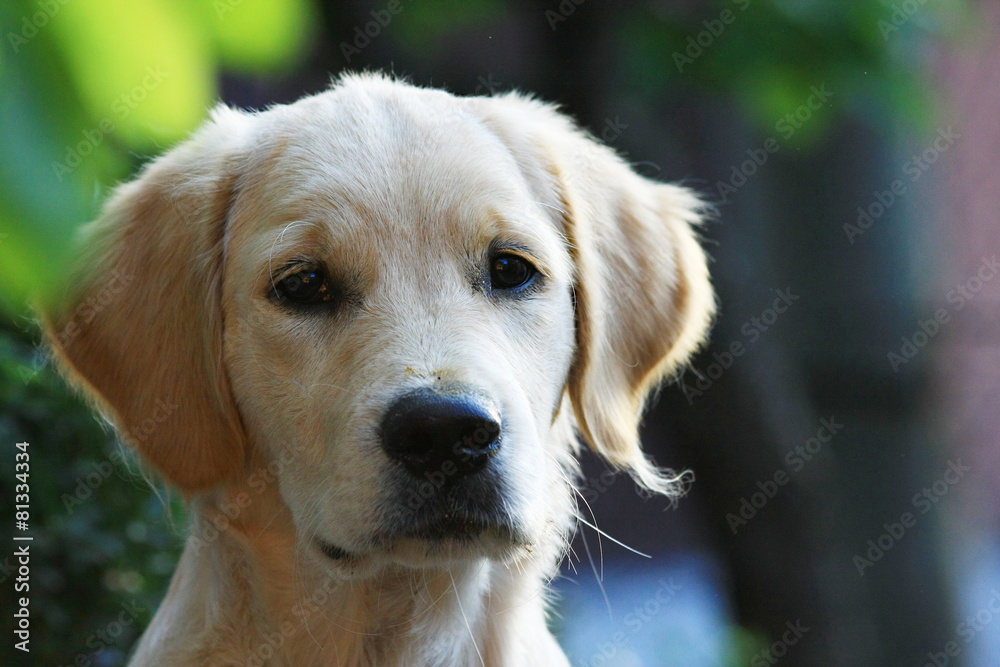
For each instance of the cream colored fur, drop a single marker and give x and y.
(400, 190)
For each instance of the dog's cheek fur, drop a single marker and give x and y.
(538, 349)
(304, 396)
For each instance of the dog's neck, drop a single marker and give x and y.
(245, 593)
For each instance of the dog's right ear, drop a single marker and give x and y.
(643, 298)
(140, 325)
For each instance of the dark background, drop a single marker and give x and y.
(79, 112)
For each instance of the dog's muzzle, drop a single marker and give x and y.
(443, 439)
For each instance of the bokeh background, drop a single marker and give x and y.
(850, 147)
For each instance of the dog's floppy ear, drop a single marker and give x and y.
(643, 297)
(140, 324)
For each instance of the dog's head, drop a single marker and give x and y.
(406, 299)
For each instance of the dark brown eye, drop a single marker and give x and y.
(304, 287)
(509, 272)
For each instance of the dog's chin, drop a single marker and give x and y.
(454, 540)
(446, 542)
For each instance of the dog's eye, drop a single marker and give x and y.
(303, 287)
(510, 272)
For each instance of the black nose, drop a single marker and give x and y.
(449, 431)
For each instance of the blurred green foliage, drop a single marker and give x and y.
(91, 88)
(103, 543)
(87, 85)
(767, 55)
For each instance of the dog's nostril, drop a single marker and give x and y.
(452, 432)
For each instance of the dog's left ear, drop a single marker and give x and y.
(643, 298)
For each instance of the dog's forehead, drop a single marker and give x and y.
(407, 152)
(388, 163)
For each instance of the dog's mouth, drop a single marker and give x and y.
(332, 551)
(468, 519)
(456, 533)
(456, 527)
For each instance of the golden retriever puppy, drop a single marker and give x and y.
(360, 334)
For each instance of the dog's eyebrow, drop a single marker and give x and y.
(502, 243)
(288, 244)
(292, 237)
(509, 244)
(521, 234)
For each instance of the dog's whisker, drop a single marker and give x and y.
(461, 608)
(561, 210)
(303, 544)
(600, 580)
(618, 542)
(579, 495)
(325, 384)
(270, 253)
(305, 392)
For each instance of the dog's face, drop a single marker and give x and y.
(407, 299)
(401, 326)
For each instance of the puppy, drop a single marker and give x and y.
(377, 318)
